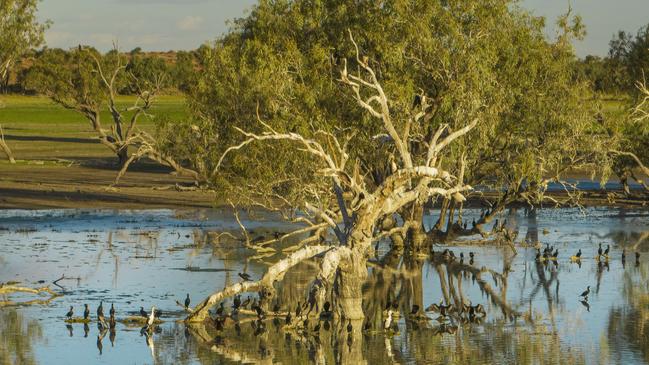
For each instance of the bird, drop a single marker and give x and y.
(245, 303)
(237, 301)
(555, 254)
(86, 312)
(327, 306)
(100, 309)
(187, 301)
(349, 327)
(220, 309)
(143, 312)
(288, 318)
(70, 313)
(576, 257)
(608, 248)
(599, 252)
(151, 318)
(112, 310)
(244, 276)
(388, 321)
(415, 310)
(585, 293)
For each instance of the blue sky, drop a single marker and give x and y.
(163, 25)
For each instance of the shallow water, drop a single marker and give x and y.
(141, 258)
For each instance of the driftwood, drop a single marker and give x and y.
(10, 289)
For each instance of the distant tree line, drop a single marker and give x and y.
(178, 68)
(625, 64)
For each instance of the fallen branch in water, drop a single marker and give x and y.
(9, 289)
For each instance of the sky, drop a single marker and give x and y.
(162, 25)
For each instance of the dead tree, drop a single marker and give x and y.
(359, 206)
(5, 148)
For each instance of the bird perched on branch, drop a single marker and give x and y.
(244, 276)
(143, 312)
(70, 313)
(100, 309)
(112, 310)
(86, 312)
(187, 301)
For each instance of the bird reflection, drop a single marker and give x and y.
(584, 302)
(86, 329)
(100, 337)
(69, 327)
(111, 337)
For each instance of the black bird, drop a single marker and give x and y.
(586, 292)
(349, 327)
(415, 309)
(244, 276)
(112, 322)
(576, 257)
(417, 102)
(70, 313)
(260, 311)
(608, 248)
(220, 309)
(112, 310)
(599, 250)
(86, 312)
(555, 254)
(327, 306)
(237, 301)
(100, 309)
(143, 312)
(471, 255)
(187, 301)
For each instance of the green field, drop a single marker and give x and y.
(37, 128)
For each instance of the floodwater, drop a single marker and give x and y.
(135, 259)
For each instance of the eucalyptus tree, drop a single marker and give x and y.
(89, 82)
(465, 60)
(20, 31)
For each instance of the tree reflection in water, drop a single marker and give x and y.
(512, 337)
(17, 337)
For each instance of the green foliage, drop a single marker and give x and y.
(20, 31)
(474, 59)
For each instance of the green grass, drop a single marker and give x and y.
(37, 128)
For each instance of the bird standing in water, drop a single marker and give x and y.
(585, 293)
(86, 312)
(112, 310)
(70, 313)
(100, 309)
(576, 257)
(599, 252)
(187, 301)
(143, 312)
(151, 318)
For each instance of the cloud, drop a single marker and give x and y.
(189, 23)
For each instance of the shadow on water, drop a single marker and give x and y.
(500, 307)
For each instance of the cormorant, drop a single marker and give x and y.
(112, 310)
(100, 309)
(187, 301)
(70, 313)
(244, 276)
(86, 312)
(585, 293)
(143, 312)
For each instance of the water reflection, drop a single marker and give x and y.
(463, 303)
(19, 338)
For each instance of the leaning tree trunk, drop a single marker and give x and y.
(5, 148)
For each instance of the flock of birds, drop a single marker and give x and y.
(551, 254)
